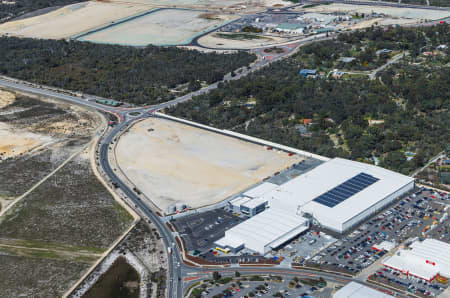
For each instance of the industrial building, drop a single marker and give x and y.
(337, 195)
(248, 206)
(357, 290)
(263, 232)
(251, 202)
(340, 193)
(425, 259)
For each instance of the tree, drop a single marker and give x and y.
(194, 85)
(216, 275)
(237, 274)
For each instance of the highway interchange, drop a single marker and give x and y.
(177, 270)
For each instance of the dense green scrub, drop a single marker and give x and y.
(134, 75)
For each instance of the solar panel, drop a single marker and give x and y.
(345, 190)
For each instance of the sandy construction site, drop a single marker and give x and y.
(179, 27)
(71, 20)
(170, 163)
(396, 12)
(217, 41)
(15, 142)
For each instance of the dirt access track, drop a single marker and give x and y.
(171, 163)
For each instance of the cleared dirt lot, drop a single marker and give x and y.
(215, 40)
(407, 13)
(189, 3)
(71, 20)
(171, 163)
(36, 136)
(179, 27)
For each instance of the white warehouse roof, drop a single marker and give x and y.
(260, 190)
(253, 203)
(338, 193)
(357, 290)
(239, 201)
(424, 259)
(266, 230)
(302, 190)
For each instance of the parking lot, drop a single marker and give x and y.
(200, 230)
(410, 217)
(303, 247)
(295, 170)
(411, 284)
(285, 286)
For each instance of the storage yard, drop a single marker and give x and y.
(179, 27)
(160, 157)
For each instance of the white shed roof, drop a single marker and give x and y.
(386, 245)
(302, 190)
(357, 290)
(260, 190)
(239, 201)
(254, 202)
(264, 229)
(424, 259)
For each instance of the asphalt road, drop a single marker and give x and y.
(174, 287)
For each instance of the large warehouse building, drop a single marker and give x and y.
(340, 193)
(264, 232)
(337, 195)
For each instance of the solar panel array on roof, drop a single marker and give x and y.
(345, 190)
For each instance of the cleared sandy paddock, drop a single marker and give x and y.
(71, 20)
(213, 40)
(170, 162)
(407, 13)
(162, 27)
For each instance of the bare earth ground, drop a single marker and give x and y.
(407, 13)
(179, 26)
(35, 137)
(71, 20)
(382, 22)
(64, 224)
(6, 98)
(179, 163)
(74, 19)
(207, 4)
(213, 40)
